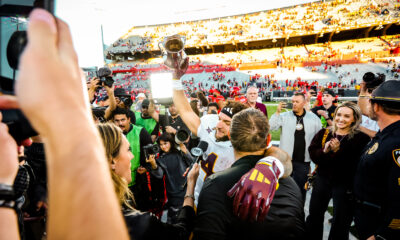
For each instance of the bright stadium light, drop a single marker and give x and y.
(161, 87)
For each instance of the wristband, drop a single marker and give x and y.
(177, 84)
(269, 160)
(6, 192)
(11, 204)
(190, 196)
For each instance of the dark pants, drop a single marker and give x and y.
(343, 209)
(366, 220)
(299, 174)
(172, 215)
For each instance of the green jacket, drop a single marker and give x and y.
(134, 141)
(147, 123)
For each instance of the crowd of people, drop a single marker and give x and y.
(99, 167)
(303, 19)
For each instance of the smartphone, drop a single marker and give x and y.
(289, 105)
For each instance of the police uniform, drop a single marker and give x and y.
(377, 181)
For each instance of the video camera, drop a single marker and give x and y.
(103, 74)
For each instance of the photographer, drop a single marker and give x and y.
(144, 119)
(124, 101)
(173, 164)
(143, 225)
(103, 112)
(138, 139)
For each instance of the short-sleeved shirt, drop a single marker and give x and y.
(331, 113)
(369, 124)
(209, 122)
(218, 157)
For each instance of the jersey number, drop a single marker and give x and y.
(208, 164)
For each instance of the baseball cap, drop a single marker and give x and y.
(120, 92)
(330, 92)
(145, 103)
(141, 95)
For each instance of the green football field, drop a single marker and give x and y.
(271, 110)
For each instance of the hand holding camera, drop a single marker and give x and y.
(152, 161)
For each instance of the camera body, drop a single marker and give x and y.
(103, 74)
(126, 100)
(373, 80)
(151, 149)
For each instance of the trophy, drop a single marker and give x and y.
(172, 51)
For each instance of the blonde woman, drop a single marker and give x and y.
(143, 225)
(336, 150)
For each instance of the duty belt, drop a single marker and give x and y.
(368, 204)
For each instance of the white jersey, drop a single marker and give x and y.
(218, 157)
(209, 122)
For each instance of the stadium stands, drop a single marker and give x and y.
(320, 17)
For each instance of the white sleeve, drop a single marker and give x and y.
(201, 132)
(276, 121)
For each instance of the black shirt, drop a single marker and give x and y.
(377, 181)
(299, 140)
(144, 225)
(176, 123)
(331, 111)
(215, 218)
(132, 116)
(174, 165)
(340, 166)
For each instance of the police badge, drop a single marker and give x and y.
(372, 149)
(396, 156)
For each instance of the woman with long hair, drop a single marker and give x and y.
(173, 163)
(143, 225)
(336, 151)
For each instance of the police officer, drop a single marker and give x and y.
(377, 181)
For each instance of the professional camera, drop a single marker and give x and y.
(123, 96)
(103, 74)
(372, 80)
(181, 136)
(151, 149)
(126, 100)
(98, 114)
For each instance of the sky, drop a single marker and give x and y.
(86, 17)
